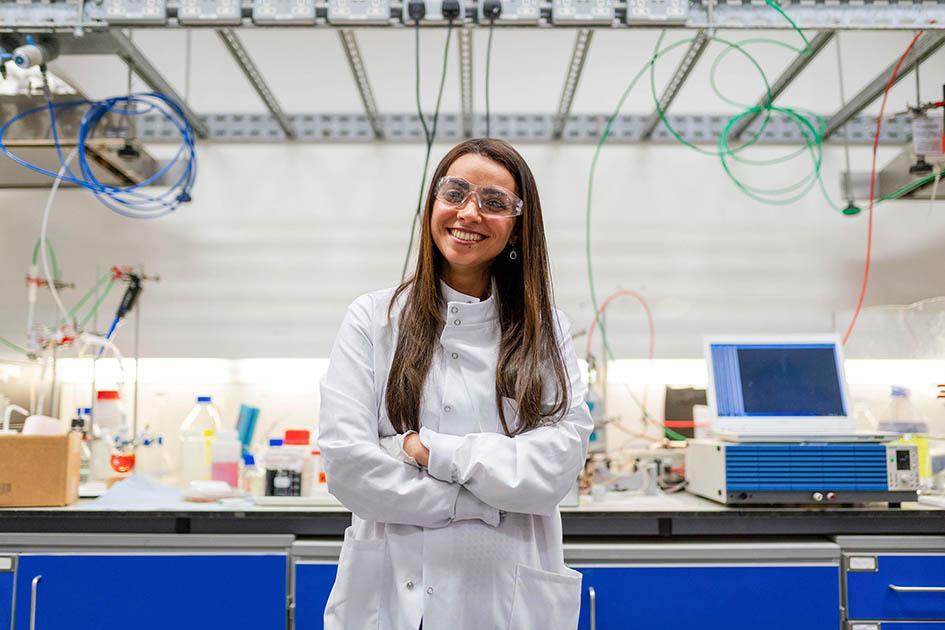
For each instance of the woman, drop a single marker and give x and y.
(453, 420)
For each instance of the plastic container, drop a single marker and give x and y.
(151, 456)
(283, 470)
(319, 482)
(253, 480)
(202, 417)
(225, 456)
(901, 415)
(299, 441)
(108, 412)
(194, 457)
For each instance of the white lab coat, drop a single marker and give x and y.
(474, 542)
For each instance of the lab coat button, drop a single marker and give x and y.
(455, 355)
(457, 322)
(447, 409)
(430, 591)
(454, 310)
(409, 585)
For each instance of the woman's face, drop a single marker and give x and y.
(468, 239)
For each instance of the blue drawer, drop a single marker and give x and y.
(709, 597)
(313, 582)
(873, 594)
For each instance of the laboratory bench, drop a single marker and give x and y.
(674, 562)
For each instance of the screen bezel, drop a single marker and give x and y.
(786, 425)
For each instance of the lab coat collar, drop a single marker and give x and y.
(466, 309)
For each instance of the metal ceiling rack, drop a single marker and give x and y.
(101, 25)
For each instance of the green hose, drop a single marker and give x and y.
(813, 145)
(85, 298)
(13, 346)
(52, 256)
(97, 305)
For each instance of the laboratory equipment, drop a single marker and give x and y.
(151, 455)
(217, 12)
(319, 482)
(34, 53)
(778, 385)
(202, 416)
(194, 462)
(359, 11)
(43, 425)
(136, 11)
(253, 480)
(283, 470)
(588, 12)
(902, 416)
(802, 472)
(108, 411)
(225, 455)
(284, 12)
(246, 425)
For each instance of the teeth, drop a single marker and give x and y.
(466, 236)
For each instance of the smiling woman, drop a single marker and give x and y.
(453, 419)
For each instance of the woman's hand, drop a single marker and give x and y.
(415, 448)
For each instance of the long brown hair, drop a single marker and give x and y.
(523, 297)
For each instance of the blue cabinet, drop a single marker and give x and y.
(912, 625)
(730, 597)
(313, 582)
(7, 565)
(152, 592)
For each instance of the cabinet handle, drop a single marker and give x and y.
(917, 589)
(34, 592)
(592, 597)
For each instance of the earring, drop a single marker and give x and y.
(513, 255)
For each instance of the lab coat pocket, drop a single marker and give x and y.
(356, 596)
(544, 599)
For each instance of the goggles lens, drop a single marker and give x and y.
(492, 200)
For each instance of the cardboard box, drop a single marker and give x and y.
(39, 470)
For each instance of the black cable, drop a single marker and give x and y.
(423, 120)
(430, 138)
(488, 65)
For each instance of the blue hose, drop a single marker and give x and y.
(129, 201)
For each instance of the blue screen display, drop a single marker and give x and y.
(777, 380)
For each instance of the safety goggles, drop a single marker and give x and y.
(491, 200)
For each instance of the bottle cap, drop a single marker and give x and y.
(297, 437)
(275, 442)
(204, 399)
(899, 391)
(315, 451)
(249, 460)
(108, 394)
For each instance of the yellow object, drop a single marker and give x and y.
(922, 442)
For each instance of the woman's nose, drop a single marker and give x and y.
(470, 210)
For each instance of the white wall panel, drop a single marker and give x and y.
(279, 239)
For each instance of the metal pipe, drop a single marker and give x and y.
(252, 73)
(817, 44)
(582, 42)
(927, 45)
(131, 55)
(353, 54)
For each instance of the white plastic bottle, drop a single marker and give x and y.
(253, 478)
(203, 416)
(225, 456)
(196, 438)
(108, 412)
(901, 415)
